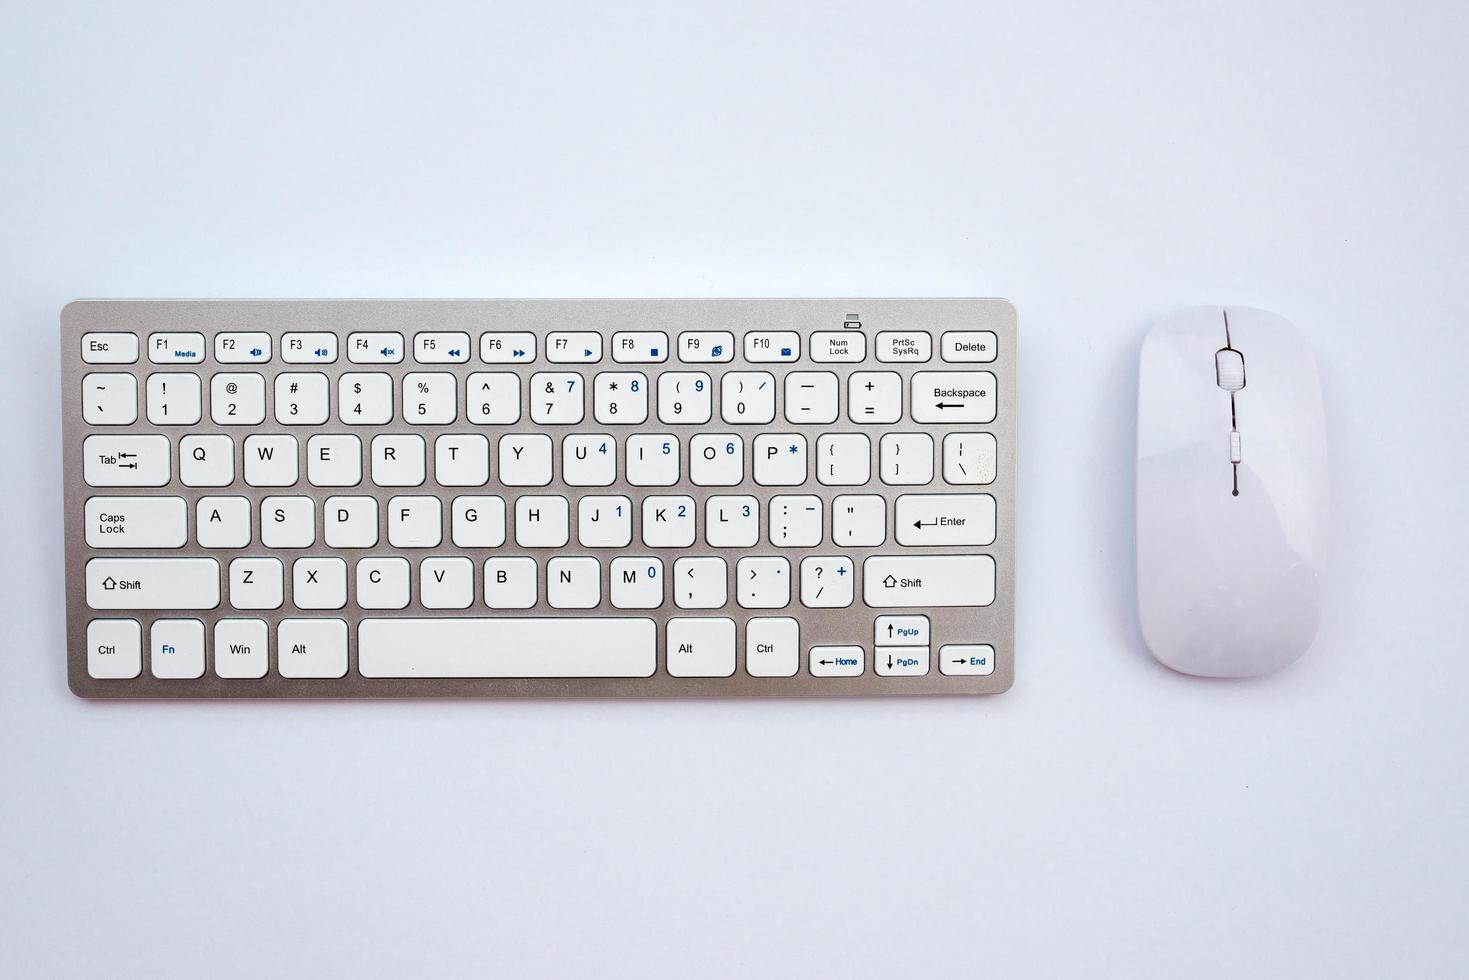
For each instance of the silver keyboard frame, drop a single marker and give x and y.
(993, 624)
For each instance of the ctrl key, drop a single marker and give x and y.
(114, 649)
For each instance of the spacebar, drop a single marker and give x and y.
(507, 647)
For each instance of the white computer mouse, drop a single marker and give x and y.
(1231, 492)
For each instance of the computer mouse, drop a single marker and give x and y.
(1231, 492)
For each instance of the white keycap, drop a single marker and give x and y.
(302, 398)
(415, 522)
(772, 646)
(900, 661)
(175, 399)
(701, 647)
(176, 348)
(367, 347)
(492, 398)
(510, 583)
(542, 521)
(398, 460)
(843, 459)
(110, 348)
(716, 460)
(969, 458)
(152, 583)
(446, 583)
(811, 397)
(685, 397)
(288, 522)
(772, 346)
(557, 398)
(763, 583)
(561, 646)
(114, 649)
(125, 461)
(652, 460)
(365, 398)
(512, 347)
(573, 583)
(668, 522)
(875, 396)
(604, 522)
(700, 583)
(898, 346)
(826, 582)
(905, 458)
(109, 399)
(319, 583)
(922, 519)
(316, 347)
(478, 522)
(640, 347)
(242, 347)
(237, 398)
(953, 396)
(838, 346)
(903, 581)
(311, 648)
(637, 583)
(574, 347)
(795, 520)
(966, 659)
(968, 345)
(222, 522)
(257, 583)
(732, 521)
(589, 460)
(525, 460)
(382, 583)
(136, 522)
(429, 398)
(462, 460)
(270, 461)
(334, 461)
(176, 649)
(620, 398)
(780, 459)
(441, 347)
(206, 461)
(900, 631)
(241, 648)
(858, 520)
(836, 661)
(705, 346)
(349, 522)
(747, 397)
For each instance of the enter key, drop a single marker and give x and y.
(945, 518)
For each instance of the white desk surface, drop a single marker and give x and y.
(1098, 167)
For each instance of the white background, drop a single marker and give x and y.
(1098, 166)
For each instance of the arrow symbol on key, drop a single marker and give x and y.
(932, 523)
(948, 405)
(824, 662)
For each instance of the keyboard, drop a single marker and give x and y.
(539, 498)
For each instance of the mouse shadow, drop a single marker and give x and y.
(1120, 537)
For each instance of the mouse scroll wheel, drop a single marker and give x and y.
(1229, 369)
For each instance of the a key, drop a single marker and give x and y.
(174, 399)
(446, 582)
(637, 583)
(700, 583)
(382, 583)
(589, 460)
(222, 522)
(542, 521)
(944, 519)
(780, 459)
(176, 649)
(732, 521)
(652, 460)
(136, 522)
(826, 582)
(271, 461)
(492, 398)
(875, 396)
(257, 583)
(525, 460)
(905, 458)
(311, 648)
(241, 648)
(301, 398)
(399, 460)
(315, 347)
(461, 460)
(811, 397)
(763, 583)
(916, 581)
(508, 347)
(415, 522)
(109, 399)
(668, 522)
(604, 522)
(349, 522)
(716, 460)
(573, 583)
(429, 398)
(334, 461)
(858, 520)
(478, 522)
(620, 398)
(795, 521)
(953, 396)
(843, 459)
(772, 646)
(237, 398)
(969, 458)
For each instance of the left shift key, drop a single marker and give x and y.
(153, 583)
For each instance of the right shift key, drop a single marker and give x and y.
(953, 396)
(900, 581)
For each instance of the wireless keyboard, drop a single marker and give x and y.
(515, 498)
